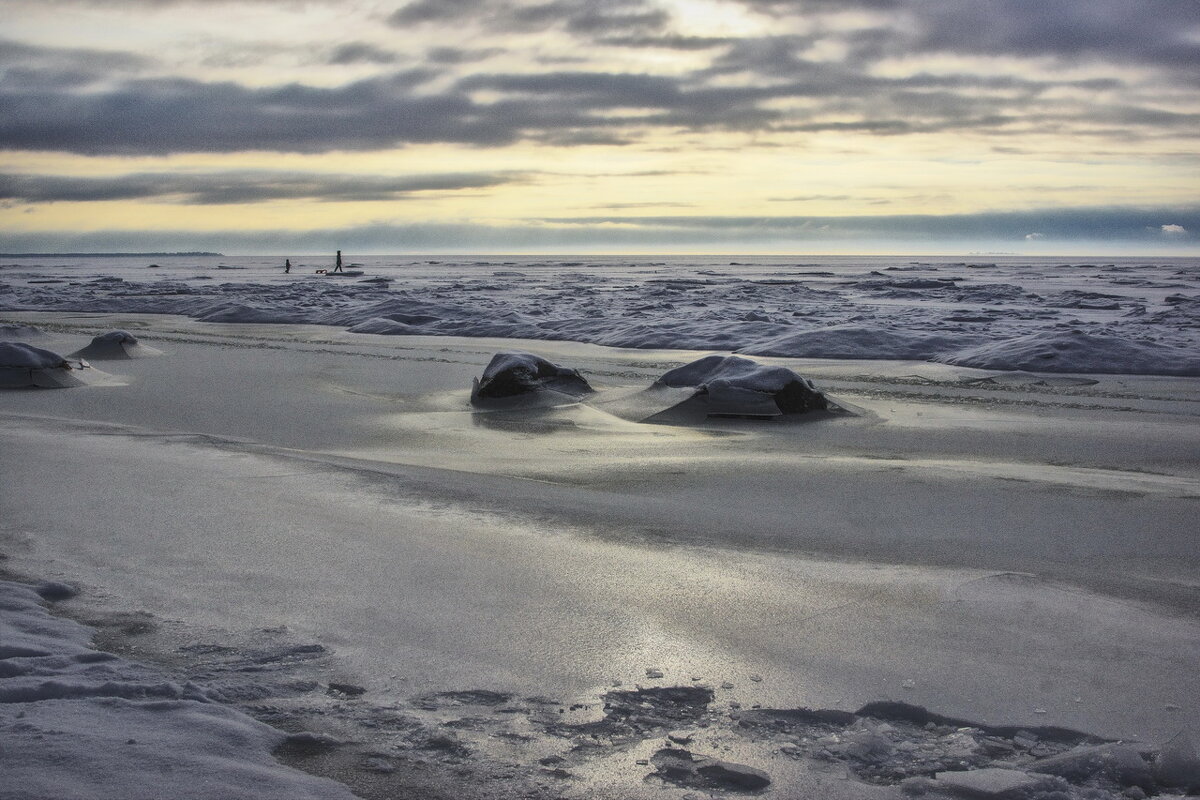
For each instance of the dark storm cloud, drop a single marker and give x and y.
(176, 115)
(757, 84)
(62, 67)
(1149, 31)
(163, 115)
(251, 186)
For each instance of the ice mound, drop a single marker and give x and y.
(385, 327)
(115, 346)
(23, 365)
(859, 341)
(1076, 351)
(511, 374)
(735, 386)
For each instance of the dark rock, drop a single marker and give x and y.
(660, 703)
(686, 769)
(347, 689)
(514, 373)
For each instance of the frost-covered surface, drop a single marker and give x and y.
(317, 528)
(79, 723)
(1139, 316)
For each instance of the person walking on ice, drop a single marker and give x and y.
(338, 266)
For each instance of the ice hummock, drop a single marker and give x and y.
(1074, 351)
(736, 386)
(115, 346)
(515, 373)
(851, 308)
(23, 365)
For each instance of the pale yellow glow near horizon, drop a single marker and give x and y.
(783, 167)
(816, 180)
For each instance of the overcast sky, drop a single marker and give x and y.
(601, 125)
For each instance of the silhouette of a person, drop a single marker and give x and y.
(287, 266)
(338, 267)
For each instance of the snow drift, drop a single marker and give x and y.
(1077, 351)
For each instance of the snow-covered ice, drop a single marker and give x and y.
(79, 723)
(293, 524)
(1126, 315)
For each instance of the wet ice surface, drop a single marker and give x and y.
(287, 515)
(1125, 316)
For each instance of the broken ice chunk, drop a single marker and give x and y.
(990, 782)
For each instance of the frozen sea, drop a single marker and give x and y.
(284, 556)
(1128, 315)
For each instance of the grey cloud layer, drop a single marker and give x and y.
(238, 187)
(95, 103)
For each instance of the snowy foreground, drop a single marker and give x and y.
(288, 560)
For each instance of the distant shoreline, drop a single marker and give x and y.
(104, 255)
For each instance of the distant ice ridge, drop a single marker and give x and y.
(78, 723)
(1131, 317)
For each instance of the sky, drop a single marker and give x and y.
(580, 126)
